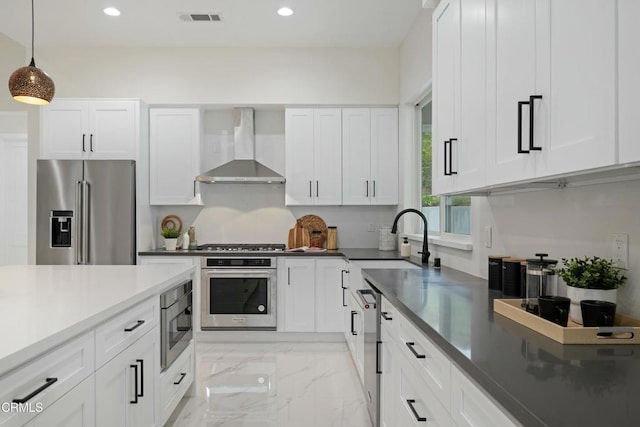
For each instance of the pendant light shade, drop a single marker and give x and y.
(30, 84)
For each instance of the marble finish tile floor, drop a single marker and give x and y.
(273, 385)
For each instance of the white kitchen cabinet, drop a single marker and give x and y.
(174, 150)
(126, 386)
(557, 67)
(90, 129)
(369, 156)
(357, 335)
(459, 96)
(175, 381)
(330, 294)
(628, 83)
(74, 409)
(298, 286)
(388, 380)
(313, 156)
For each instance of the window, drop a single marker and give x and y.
(451, 213)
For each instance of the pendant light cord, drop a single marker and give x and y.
(32, 31)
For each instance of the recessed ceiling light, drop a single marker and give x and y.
(112, 11)
(285, 11)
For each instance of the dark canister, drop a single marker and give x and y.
(495, 271)
(511, 285)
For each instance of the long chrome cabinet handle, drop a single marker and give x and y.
(86, 194)
(78, 225)
(531, 115)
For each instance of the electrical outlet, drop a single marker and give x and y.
(372, 227)
(620, 250)
(487, 236)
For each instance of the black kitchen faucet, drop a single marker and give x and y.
(425, 244)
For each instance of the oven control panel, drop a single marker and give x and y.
(238, 262)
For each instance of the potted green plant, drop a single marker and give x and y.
(589, 278)
(170, 238)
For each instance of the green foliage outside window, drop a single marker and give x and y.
(427, 199)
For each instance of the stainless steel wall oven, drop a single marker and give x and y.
(238, 293)
(176, 322)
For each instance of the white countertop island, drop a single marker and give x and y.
(42, 306)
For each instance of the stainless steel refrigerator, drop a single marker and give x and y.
(86, 212)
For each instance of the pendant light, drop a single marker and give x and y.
(30, 84)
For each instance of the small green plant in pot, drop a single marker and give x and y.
(170, 238)
(589, 278)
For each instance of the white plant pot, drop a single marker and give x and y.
(170, 244)
(579, 294)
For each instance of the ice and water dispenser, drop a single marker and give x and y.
(60, 226)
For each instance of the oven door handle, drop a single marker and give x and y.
(179, 306)
(242, 273)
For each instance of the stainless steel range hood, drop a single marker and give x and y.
(244, 168)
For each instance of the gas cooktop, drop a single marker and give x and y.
(242, 247)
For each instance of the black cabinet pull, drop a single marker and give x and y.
(413, 350)
(135, 393)
(91, 143)
(342, 273)
(366, 183)
(520, 149)
(445, 158)
(410, 402)
(141, 362)
(451, 172)
(310, 189)
(288, 276)
(378, 370)
(48, 383)
(138, 324)
(317, 190)
(353, 314)
(374, 188)
(182, 376)
(385, 316)
(531, 99)
(83, 146)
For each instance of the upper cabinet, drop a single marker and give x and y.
(370, 156)
(552, 93)
(459, 96)
(174, 153)
(90, 129)
(628, 83)
(313, 154)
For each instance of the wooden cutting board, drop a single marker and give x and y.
(298, 236)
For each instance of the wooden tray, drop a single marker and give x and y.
(625, 331)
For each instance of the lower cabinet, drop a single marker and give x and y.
(175, 381)
(357, 336)
(74, 409)
(388, 380)
(126, 385)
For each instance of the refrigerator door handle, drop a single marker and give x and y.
(78, 226)
(85, 222)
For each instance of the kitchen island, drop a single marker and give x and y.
(537, 380)
(69, 336)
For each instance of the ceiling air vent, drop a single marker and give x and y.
(200, 17)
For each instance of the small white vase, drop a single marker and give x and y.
(170, 244)
(579, 294)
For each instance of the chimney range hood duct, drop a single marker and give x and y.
(244, 169)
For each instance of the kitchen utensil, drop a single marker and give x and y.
(171, 222)
(541, 280)
(332, 238)
(298, 236)
(554, 308)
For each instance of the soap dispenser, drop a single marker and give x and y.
(405, 248)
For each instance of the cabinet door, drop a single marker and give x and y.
(388, 380)
(174, 152)
(446, 43)
(357, 322)
(125, 387)
(74, 409)
(299, 134)
(113, 129)
(577, 80)
(299, 309)
(384, 156)
(327, 155)
(64, 133)
(329, 300)
(628, 82)
(511, 54)
(356, 156)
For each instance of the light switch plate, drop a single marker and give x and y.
(620, 250)
(487, 236)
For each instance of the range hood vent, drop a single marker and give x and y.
(244, 169)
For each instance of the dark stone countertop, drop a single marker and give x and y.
(539, 381)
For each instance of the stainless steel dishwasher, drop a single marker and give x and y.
(369, 299)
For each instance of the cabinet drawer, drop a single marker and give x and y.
(389, 318)
(417, 405)
(430, 363)
(45, 379)
(471, 407)
(175, 381)
(124, 329)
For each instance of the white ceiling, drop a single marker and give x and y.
(358, 23)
